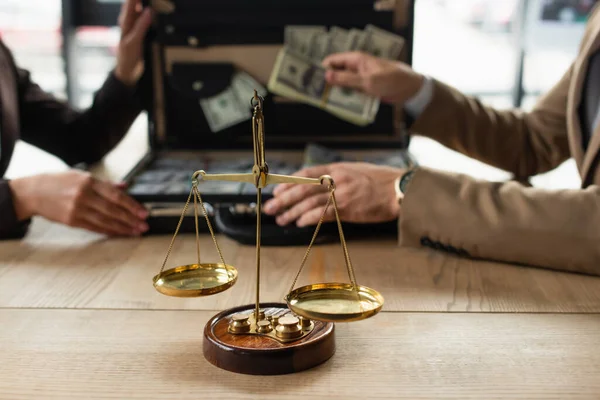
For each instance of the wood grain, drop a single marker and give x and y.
(124, 354)
(59, 267)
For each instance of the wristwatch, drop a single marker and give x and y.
(401, 184)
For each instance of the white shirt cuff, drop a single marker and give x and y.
(416, 104)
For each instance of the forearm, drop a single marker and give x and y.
(522, 143)
(79, 136)
(115, 108)
(505, 222)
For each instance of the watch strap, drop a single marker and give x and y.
(405, 180)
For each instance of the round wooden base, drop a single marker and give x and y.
(262, 355)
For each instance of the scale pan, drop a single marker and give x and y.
(334, 302)
(196, 280)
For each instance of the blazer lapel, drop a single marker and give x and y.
(583, 160)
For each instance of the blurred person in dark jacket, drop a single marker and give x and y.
(28, 113)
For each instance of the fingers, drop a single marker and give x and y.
(117, 209)
(307, 205)
(312, 217)
(348, 60)
(94, 221)
(117, 197)
(116, 216)
(344, 78)
(288, 198)
(139, 29)
(128, 15)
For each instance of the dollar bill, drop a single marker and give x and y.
(382, 43)
(340, 39)
(243, 85)
(357, 39)
(300, 37)
(300, 78)
(337, 40)
(224, 110)
(320, 46)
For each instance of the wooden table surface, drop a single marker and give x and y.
(137, 354)
(80, 319)
(60, 267)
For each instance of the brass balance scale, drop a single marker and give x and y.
(268, 338)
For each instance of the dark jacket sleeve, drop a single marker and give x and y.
(10, 227)
(76, 136)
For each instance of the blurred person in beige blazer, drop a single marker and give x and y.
(503, 221)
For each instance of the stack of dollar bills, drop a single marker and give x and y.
(298, 72)
(231, 106)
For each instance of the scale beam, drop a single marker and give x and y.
(203, 176)
(271, 178)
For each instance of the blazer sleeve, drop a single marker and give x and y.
(72, 135)
(507, 222)
(523, 143)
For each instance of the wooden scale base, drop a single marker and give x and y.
(260, 354)
(267, 338)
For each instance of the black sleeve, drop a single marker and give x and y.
(10, 227)
(72, 135)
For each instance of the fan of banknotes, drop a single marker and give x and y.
(299, 75)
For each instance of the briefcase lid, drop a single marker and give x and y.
(195, 50)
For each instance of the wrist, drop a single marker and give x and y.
(126, 79)
(420, 98)
(416, 84)
(24, 197)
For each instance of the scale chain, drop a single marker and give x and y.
(196, 223)
(312, 240)
(349, 267)
(196, 194)
(343, 240)
(212, 233)
(176, 231)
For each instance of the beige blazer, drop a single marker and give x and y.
(509, 221)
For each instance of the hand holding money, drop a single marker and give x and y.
(390, 81)
(299, 74)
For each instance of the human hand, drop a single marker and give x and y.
(390, 81)
(134, 24)
(77, 199)
(364, 193)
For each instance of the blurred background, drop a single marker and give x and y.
(506, 52)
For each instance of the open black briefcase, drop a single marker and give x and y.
(195, 53)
